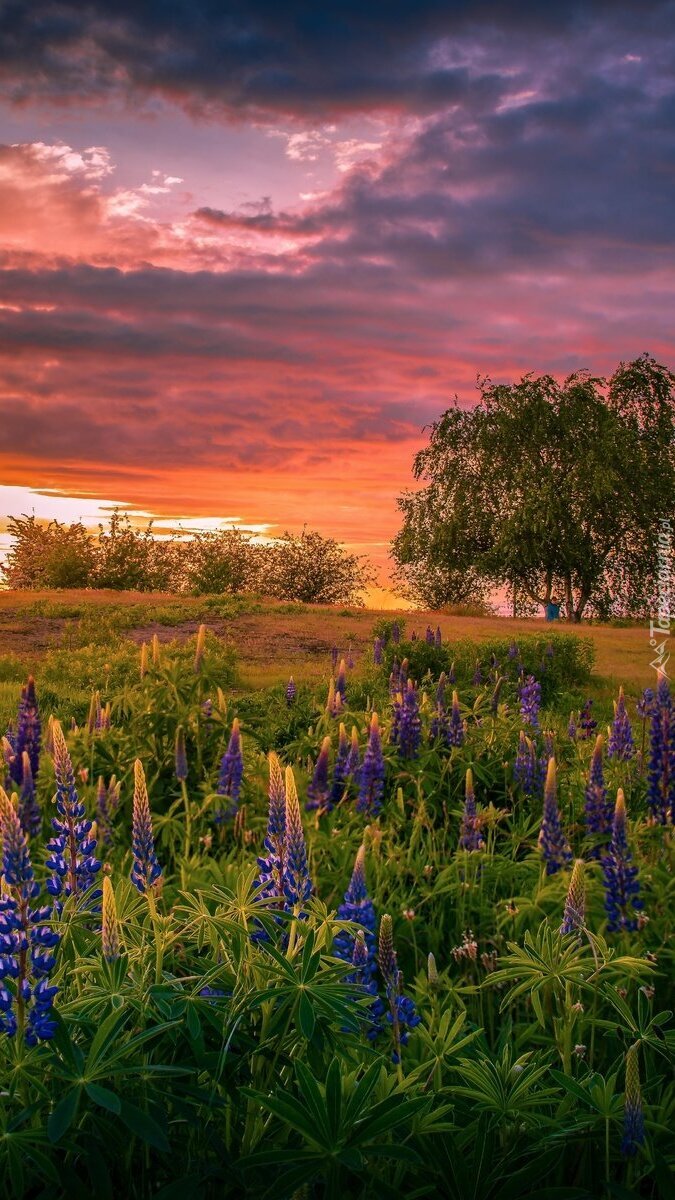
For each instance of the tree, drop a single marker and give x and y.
(223, 561)
(52, 555)
(315, 569)
(552, 490)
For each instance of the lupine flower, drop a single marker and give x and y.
(341, 681)
(231, 773)
(341, 768)
(661, 779)
(200, 647)
(110, 932)
(455, 723)
(587, 723)
(645, 705)
(409, 732)
(575, 901)
(429, 636)
(358, 907)
(318, 789)
(432, 971)
(378, 647)
(297, 883)
(552, 841)
(633, 1120)
(496, 691)
(291, 692)
(402, 1015)
(145, 870)
(513, 651)
(28, 731)
(396, 633)
(469, 834)
(27, 944)
(72, 858)
(598, 809)
(30, 815)
(438, 636)
(452, 674)
(330, 699)
(525, 766)
(272, 865)
(477, 678)
(155, 650)
(620, 877)
(413, 636)
(530, 701)
(371, 774)
(180, 756)
(395, 678)
(439, 721)
(354, 760)
(143, 665)
(572, 728)
(621, 738)
(107, 803)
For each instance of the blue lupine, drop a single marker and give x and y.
(477, 678)
(354, 759)
(455, 723)
(271, 864)
(378, 648)
(439, 722)
(396, 633)
(621, 744)
(395, 684)
(429, 636)
(587, 722)
(645, 705)
(525, 766)
(620, 877)
(341, 769)
(30, 815)
(513, 651)
(452, 674)
(633, 1120)
(469, 834)
(297, 883)
(319, 787)
(575, 901)
(401, 1015)
(598, 809)
(552, 841)
(661, 778)
(72, 858)
(371, 774)
(341, 680)
(145, 870)
(358, 907)
(530, 701)
(291, 692)
(107, 804)
(230, 775)
(438, 636)
(409, 725)
(572, 728)
(28, 732)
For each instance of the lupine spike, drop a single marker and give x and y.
(530, 701)
(354, 760)
(633, 1121)
(146, 870)
(372, 772)
(291, 692)
(358, 907)
(432, 971)
(386, 955)
(200, 646)
(622, 887)
(621, 744)
(470, 837)
(297, 883)
(231, 774)
(598, 809)
(143, 668)
(110, 933)
(318, 789)
(552, 840)
(91, 716)
(155, 650)
(455, 724)
(72, 858)
(575, 901)
(330, 700)
(661, 784)
(341, 681)
(29, 809)
(378, 647)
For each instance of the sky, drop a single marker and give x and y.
(249, 250)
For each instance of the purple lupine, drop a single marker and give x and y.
(28, 732)
(30, 814)
(429, 636)
(341, 680)
(27, 944)
(341, 769)
(297, 883)
(552, 841)
(572, 728)
(145, 868)
(439, 721)
(477, 678)
(413, 636)
(230, 776)
(271, 864)
(358, 907)
(525, 766)
(645, 705)
(395, 678)
(587, 722)
(469, 833)
(598, 809)
(513, 652)
(291, 692)
(452, 674)
(661, 778)
(72, 852)
(402, 1015)
(354, 760)
(633, 1120)
(620, 877)
(496, 692)
(438, 636)
(455, 723)
(530, 701)
(371, 774)
(410, 725)
(621, 744)
(575, 901)
(107, 803)
(318, 788)
(396, 633)
(378, 647)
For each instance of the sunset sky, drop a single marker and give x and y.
(248, 250)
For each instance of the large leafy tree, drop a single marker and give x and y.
(554, 490)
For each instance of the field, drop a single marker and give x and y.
(401, 929)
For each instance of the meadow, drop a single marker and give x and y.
(399, 925)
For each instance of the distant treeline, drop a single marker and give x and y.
(306, 567)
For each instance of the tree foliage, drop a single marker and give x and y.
(552, 490)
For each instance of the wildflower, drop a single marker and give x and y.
(30, 815)
(271, 865)
(72, 858)
(477, 675)
(409, 730)
(429, 636)
(358, 907)
(291, 692)
(145, 870)
(231, 773)
(525, 766)
(413, 636)
(354, 760)
(28, 731)
(452, 674)
(645, 705)
(598, 810)
(530, 701)
(580, 1050)
(432, 971)
(180, 756)
(622, 887)
(297, 883)
(469, 836)
(552, 840)
(513, 651)
(378, 648)
(143, 665)
(371, 774)
(341, 769)
(318, 788)
(572, 728)
(455, 733)
(396, 633)
(438, 727)
(200, 647)
(110, 933)
(661, 779)
(107, 803)
(155, 650)
(395, 678)
(438, 637)
(587, 723)
(575, 901)
(496, 691)
(633, 1120)
(467, 949)
(489, 961)
(621, 738)
(341, 681)
(402, 1015)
